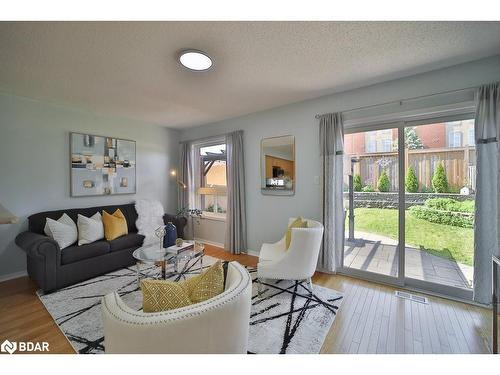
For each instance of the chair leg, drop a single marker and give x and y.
(259, 287)
(310, 284)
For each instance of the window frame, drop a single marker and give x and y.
(201, 175)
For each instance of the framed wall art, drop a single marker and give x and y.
(101, 165)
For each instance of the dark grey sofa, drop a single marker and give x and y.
(53, 268)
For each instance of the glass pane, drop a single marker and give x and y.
(440, 170)
(215, 177)
(371, 201)
(216, 149)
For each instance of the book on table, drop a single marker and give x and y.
(174, 249)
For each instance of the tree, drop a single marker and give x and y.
(383, 184)
(439, 180)
(412, 140)
(411, 182)
(357, 184)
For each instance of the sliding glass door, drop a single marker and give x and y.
(371, 201)
(409, 205)
(440, 170)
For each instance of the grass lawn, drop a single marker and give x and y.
(442, 240)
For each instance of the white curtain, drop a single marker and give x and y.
(486, 228)
(236, 224)
(331, 137)
(185, 177)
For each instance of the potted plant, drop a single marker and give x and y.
(193, 213)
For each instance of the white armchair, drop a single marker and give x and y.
(299, 261)
(218, 325)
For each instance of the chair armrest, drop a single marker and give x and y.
(37, 245)
(281, 242)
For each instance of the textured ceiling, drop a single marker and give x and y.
(129, 69)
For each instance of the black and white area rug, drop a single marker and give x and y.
(285, 318)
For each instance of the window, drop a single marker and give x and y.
(378, 141)
(471, 142)
(455, 139)
(386, 145)
(212, 184)
(371, 145)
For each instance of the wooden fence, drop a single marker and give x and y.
(459, 164)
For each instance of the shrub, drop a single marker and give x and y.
(357, 184)
(448, 204)
(368, 189)
(426, 189)
(442, 217)
(383, 184)
(439, 180)
(411, 182)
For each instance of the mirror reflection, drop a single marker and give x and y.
(278, 165)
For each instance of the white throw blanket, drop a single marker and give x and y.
(150, 217)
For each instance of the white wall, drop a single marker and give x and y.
(267, 215)
(34, 164)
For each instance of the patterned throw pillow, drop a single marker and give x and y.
(62, 230)
(114, 225)
(206, 285)
(297, 223)
(162, 295)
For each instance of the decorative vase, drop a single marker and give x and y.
(170, 235)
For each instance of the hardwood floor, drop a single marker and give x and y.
(371, 318)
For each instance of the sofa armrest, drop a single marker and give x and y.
(44, 258)
(36, 245)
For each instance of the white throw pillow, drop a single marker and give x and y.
(90, 229)
(63, 231)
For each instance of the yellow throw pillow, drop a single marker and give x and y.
(206, 285)
(162, 295)
(297, 223)
(114, 225)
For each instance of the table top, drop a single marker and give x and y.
(153, 253)
(150, 253)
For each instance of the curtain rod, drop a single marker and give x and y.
(217, 136)
(400, 101)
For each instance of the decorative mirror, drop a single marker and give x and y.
(277, 160)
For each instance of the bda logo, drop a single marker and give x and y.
(9, 347)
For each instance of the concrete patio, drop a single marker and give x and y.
(378, 254)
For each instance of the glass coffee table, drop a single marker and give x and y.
(169, 257)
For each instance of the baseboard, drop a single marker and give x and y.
(14, 275)
(253, 252)
(221, 245)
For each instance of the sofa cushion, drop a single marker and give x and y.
(76, 253)
(126, 242)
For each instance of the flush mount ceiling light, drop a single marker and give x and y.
(195, 60)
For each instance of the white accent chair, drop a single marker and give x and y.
(298, 262)
(218, 325)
